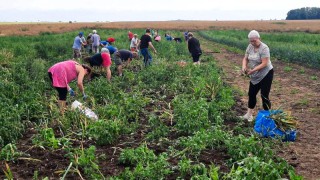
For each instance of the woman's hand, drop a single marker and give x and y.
(72, 93)
(244, 70)
(250, 72)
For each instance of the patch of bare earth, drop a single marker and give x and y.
(294, 90)
(8, 29)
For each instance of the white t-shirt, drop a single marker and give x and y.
(134, 42)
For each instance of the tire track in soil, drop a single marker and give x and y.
(292, 90)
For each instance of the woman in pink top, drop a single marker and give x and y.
(62, 73)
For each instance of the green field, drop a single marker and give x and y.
(301, 48)
(167, 121)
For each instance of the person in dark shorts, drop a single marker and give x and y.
(194, 48)
(122, 58)
(62, 73)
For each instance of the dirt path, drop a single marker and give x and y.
(296, 89)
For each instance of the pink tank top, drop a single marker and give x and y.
(63, 73)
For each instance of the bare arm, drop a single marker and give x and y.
(80, 79)
(128, 62)
(151, 45)
(263, 64)
(245, 64)
(138, 45)
(108, 73)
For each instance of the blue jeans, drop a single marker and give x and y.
(147, 58)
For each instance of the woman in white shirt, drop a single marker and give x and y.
(134, 43)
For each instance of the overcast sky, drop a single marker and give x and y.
(147, 10)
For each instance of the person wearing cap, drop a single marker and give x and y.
(122, 58)
(101, 59)
(194, 48)
(145, 42)
(107, 41)
(77, 44)
(256, 63)
(62, 73)
(95, 38)
(134, 43)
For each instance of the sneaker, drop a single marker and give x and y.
(247, 117)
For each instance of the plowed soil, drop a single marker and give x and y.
(266, 26)
(292, 90)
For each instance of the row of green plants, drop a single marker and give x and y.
(182, 109)
(297, 47)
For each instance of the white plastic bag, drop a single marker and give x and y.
(88, 112)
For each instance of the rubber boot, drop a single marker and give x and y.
(62, 106)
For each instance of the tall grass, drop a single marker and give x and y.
(301, 48)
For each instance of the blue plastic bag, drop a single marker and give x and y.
(266, 127)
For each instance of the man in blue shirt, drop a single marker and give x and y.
(77, 43)
(108, 44)
(111, 48)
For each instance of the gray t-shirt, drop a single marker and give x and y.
(255, 60)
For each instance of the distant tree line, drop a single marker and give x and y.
(304, 13)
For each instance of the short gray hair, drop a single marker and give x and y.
(105, 50)
(253, 34)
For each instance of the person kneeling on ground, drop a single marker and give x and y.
(62, 73)
(101, 59)
(122, 56)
